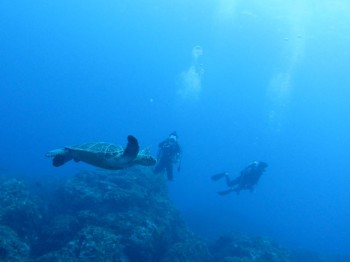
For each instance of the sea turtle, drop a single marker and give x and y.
(103, 155)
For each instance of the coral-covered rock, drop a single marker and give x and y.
(191, 249)
(55, 233)
(91, 244)
(19, 210)
(95, 244)
(234, 246)
(110, 216)
(108, 191)
(12, 248)
(127, 209)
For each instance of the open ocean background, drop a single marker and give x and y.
(238, 80)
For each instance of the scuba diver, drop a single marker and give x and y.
(169, 153)
(248, 177)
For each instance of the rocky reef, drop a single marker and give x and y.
(110, 216)
(95, 216)
(236, 247)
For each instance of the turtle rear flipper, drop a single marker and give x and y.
(60, 156)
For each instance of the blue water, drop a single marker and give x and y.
(264, 80)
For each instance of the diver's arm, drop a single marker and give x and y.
(179, 166)
(161, 144)
(160, 148)
(178, 160)
(178, 156)
(231, 182)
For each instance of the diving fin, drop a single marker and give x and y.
(218, 176)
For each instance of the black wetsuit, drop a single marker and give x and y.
(248, 177)
(168, 154)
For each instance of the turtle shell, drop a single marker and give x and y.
(107, 149)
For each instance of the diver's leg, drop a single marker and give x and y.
(218, 176)
(228, 180)
(169, 171)
(159, 167)
(162, 164)
(225, 192)
(231, 183)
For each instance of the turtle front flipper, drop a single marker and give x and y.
(131, 150)
(60, 156)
